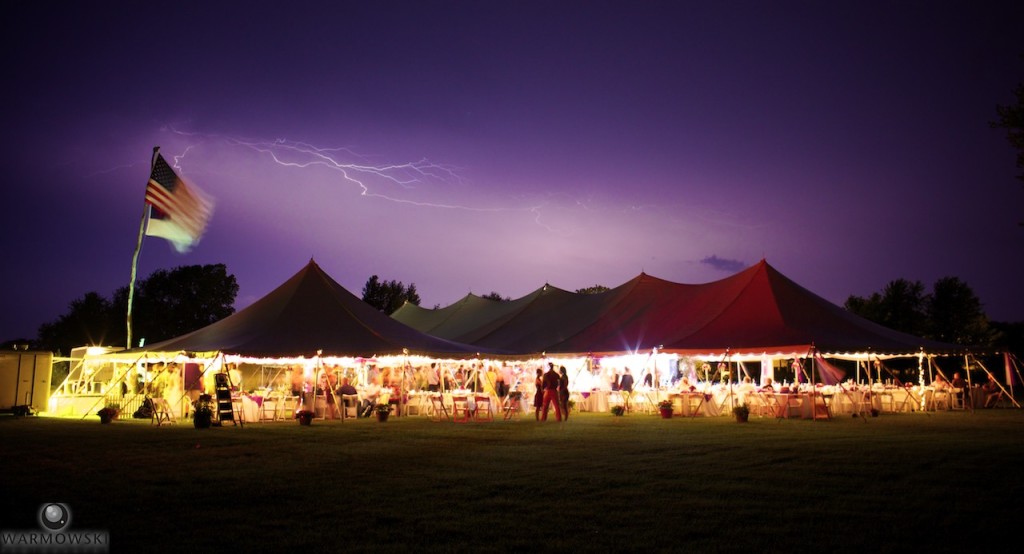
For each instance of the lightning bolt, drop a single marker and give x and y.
(407, 176)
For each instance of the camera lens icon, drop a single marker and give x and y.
(54, 516)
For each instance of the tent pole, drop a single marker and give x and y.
(967, 393)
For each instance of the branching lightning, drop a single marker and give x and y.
(407, 176)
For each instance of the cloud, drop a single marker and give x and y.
(729, 266)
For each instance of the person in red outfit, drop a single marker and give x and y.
(550, 382)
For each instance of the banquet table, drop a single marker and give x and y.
(594, 401)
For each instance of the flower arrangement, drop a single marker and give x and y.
(665, 405)
(618, 410)
(202, 412)
(382, 408)
(741, 411)
(109, 412)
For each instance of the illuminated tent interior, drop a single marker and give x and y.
(308, 322)
(756, 311)
(644, 326)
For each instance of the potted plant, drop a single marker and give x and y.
(305, 417)
(742, 412)
(382, 411)
(202, 412)
(665, 407)
(109, 413)
(618, 410)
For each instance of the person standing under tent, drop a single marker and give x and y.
(538, 394)
(508, 379)
(500, 386)
(433, 379)
(295, 379)
(563, 391)
(626, 386)
(327, 389)
(550, 383)
(235, 377)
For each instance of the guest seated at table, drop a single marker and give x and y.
(766, 385)
(940, 383)
(346, 387)
(370, 394)
(958, 381)
(747, 385)
(993, 392)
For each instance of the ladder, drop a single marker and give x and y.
(225, 404)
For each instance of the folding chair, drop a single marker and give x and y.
(511, 406)
(693, 404)
(755, 403)
(789, 404)
(887, 401)
(819, 408)
(575, 402)
(161, 412)
(771, 404)
(864, 403)
(483, 408)
(414, 404)
(616, 398)
(460, 409)
(439, 411)
(911, 403)
(960, 397)
(238, 410)
(288, 406)
(271, 407)
(995, 400)
(349, 406)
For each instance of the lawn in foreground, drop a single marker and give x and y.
(914, 482)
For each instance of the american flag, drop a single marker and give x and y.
(179, 212)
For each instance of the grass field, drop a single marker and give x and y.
(939, 482)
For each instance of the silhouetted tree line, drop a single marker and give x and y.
(167, 304)
(951, 313)
(388, 296)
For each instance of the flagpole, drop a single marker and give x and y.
(135, 256)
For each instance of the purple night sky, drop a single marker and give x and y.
(516, 143)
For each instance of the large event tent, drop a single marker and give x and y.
(757, 311)
(310, 314)
(308, 322)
